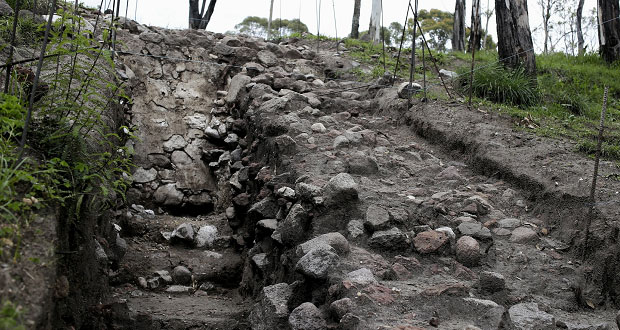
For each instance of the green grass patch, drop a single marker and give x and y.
(10, 317)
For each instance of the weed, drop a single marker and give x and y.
(10, 317)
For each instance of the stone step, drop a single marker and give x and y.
(148, 310)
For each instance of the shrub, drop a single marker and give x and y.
(500, 85)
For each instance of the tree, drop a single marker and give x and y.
(437, 26)
(487, 13)
(514, 45)
(580, 41)
(547, 7)
(356, 19)
(609, 30)
(458, 29)
(375, 21)
(199, 20)
(259, 26)
(476, 26)
(396, 32)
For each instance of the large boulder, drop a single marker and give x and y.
(527, 316)
(468, 251)
(307, 317)
(271, 312)
(430, 241)
(340, 190)
(335, 240)
(237, 88)
(317, 263)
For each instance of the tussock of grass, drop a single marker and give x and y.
(499, 85)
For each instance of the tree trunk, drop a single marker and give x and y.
(355, 33)
(488, 14)
(514, 39)
(475, 36)
(458, 31)
(198, 20)
(609, 30)
(269, 24)
(580, 41)
(374, 30)
(546, 15)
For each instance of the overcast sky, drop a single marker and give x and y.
(228, 13)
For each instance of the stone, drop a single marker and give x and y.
(307, 317)
(468, 251)
(271, 312)
(355, 228)
(448, 232)
(175, 142)
(142, 282)
(317, 263)
(474, 229)
(261, 261)
(403, 89)
(351, 322)
(143, 176)
(350, 95)
(377, 218)
(450, 173)
(392, 239)
(307, 191)
(168, 195)
(212, 133)
(527, 316)
(448, 74)
(340, 190)
(491, 282)
(489, 314)
(362, 164)
(267, 208)
(341, 141)
(318, 128)
(293, 54)
(237, 85)
(183, 233)
(509, 223)
(430, 241)
(5, 9)
(164, 276)
(181, 275)
(178, 289)
(254, 69)
(267, 58)
(338, 242)
(523, 235)
(293, 228)
(341, 307)
(206, 236)
(361, 277)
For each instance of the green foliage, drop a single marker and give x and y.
(259, 26)
(27, 30)
(437, 26)
(500, 85)
(10, 317)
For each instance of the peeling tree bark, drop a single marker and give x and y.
(458, 31)
(356, 20)
(374, 30)
(198, 19)
(580, 41)
(609, 29)
(475, 36)
(514, 44)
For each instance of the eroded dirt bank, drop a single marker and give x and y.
(267, 198)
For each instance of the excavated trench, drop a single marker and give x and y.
(265, 198)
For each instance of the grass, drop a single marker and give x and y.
(571, 96)
(10, 317)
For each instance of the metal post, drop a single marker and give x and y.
(430, 54)
(412, 69)
(473, 55)
(9, 60)
(402, 39)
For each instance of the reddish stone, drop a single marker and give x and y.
(430, 241)
(410, 263)
(402, 273)
(379, 293)
(450, 289)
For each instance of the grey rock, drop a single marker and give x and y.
(523, 235)
(351, 321)
(143, 283)
(350, 95)
(468, 251)
(318, 128)
(168, 195)
(152, 37)
(584, 326)
(178, 289)
(164, 276)
(361, 277)
(490, 314)
(181, 275)
(341, 307)
(341, 141)
(527, 316)
(268, 224)
(317, 263)
(403, 89)
(307, 191)
(254, 69)
(154, 283)
(237, 85)
(509, 223)
(335, 240)
(492, 282)
(267, 58)
(293, 228)
(206, 236)
(392, 239)
(143, 176)
(100, 254)
(448, 74)
(212, 133)
(377, 218)
(286, 192)
(355, 228)
(474, 229)
(340, 189)
(261, 261)
(183, 233)
(267, 208)
(179, 157)
(271, 312)
(306, 317)
(5, 9)
(362, 164)
(174, 143)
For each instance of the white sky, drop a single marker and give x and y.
(228, 13)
